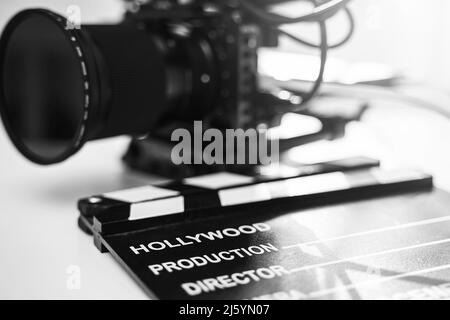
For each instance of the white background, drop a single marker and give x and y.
(39, 239)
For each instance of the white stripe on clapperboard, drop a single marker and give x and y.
(325, 264)
(379, 280)
(363, 233)
(319, 293)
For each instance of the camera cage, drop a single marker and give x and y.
(236, 37)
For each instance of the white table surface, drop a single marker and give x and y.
(40, 240)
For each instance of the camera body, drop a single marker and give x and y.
(211, 48)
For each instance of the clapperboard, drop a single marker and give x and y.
(337, 230)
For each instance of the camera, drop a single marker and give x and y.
(166, 65)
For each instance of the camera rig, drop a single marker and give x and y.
(166, 65)
(235, 33)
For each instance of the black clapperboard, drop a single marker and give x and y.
(337, 230)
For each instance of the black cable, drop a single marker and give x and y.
(299, 107)
(343, 41)
(318, 14)
(318, 82)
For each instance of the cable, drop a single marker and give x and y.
(319, 13)
(323, 59)
(370, 92)
(324, 47)
(344, 40)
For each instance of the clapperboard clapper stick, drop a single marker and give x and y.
(132, 209)
(225, 194)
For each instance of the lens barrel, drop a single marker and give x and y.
(62, 86)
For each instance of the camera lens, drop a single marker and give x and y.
(62, 85)
(42, 88)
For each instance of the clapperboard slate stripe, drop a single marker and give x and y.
(193, 198)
